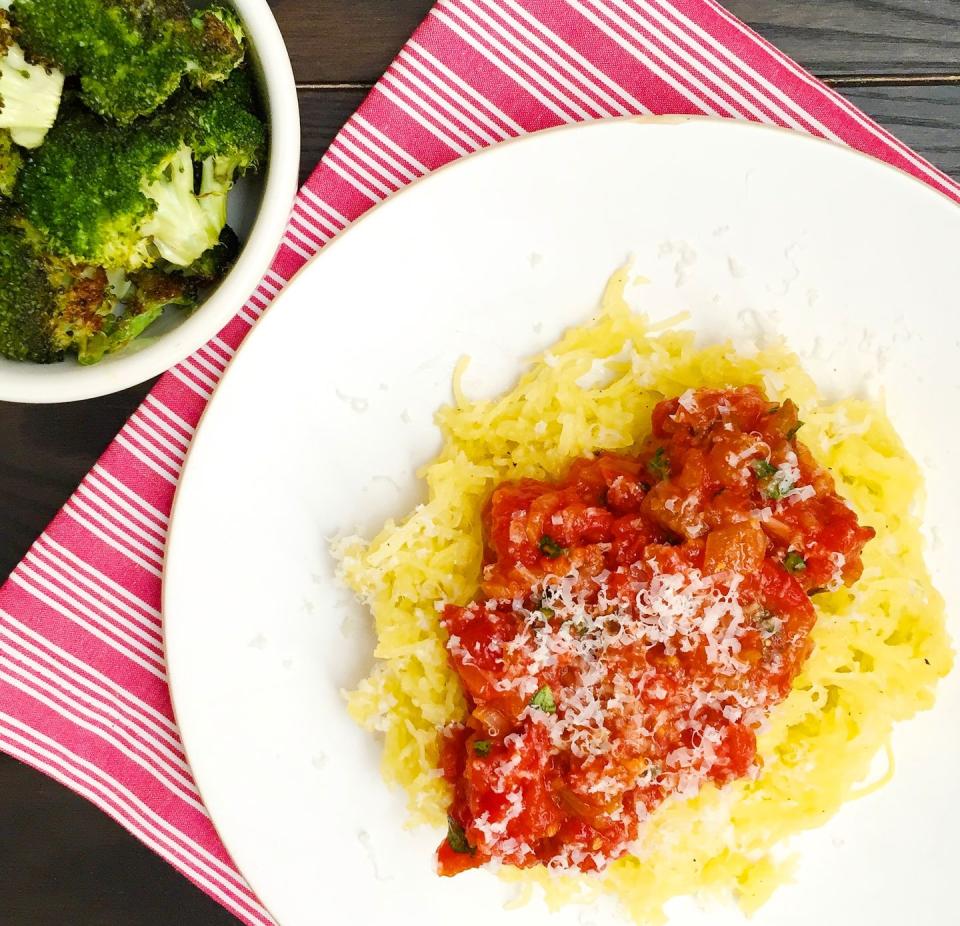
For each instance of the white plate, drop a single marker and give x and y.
(327, 411)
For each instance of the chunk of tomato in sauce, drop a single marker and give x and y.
(738, 548)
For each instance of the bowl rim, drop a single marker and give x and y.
(70, 382)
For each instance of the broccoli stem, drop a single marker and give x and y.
(183, 225)
(215, 184)
(29, 98)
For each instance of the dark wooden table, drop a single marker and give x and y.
(61, 860)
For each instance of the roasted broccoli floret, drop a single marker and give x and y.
(218, 46)
(49, 307)
(46, 307)
(131, 57)
(29, 93)
(149, 293)
(10, 162)
(128, 197)
(27, 300)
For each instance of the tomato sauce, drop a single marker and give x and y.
(636, 622)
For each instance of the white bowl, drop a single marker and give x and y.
(259, 209)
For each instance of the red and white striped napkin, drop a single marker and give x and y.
(83, 689)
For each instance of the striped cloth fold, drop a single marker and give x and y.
(83, 687)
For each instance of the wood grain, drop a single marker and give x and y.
(337, 41)
(860, 36)
(926, 118)
(322, 113)
(346, 41)
(45, 450)
(65, 863)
